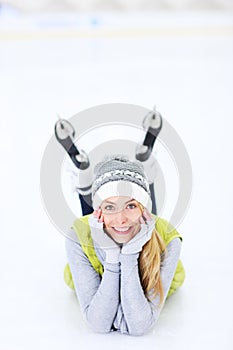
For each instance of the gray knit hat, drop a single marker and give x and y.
(118, 176)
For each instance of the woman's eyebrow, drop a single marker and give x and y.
(109, 202)
(131, 200)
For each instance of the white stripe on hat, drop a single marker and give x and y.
(122, 188)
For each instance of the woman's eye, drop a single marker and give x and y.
(109, 207)
(131, 206)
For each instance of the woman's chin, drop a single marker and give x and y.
(121, 240)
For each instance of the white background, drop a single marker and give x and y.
(183, 63)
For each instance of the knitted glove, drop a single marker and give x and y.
(111, 248)
(136, 244)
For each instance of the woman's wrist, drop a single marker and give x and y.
(112, 267)
(128, 258)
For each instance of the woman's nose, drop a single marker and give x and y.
(120, 218)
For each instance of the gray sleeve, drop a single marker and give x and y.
(98, 297)
(139, 314)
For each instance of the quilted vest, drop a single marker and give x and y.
(83, 232)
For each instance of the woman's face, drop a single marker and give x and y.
(121, 218)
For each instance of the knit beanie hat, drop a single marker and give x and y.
(118, 176)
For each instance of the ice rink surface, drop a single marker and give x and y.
(183, 64)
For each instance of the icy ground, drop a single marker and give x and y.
(181, 62)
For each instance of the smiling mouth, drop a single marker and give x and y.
(122, 230)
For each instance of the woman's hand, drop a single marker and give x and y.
(146, 217)
(136, 244)
(111, 248)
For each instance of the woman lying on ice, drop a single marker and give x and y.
(123, 261)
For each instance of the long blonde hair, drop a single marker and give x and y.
(150, 260)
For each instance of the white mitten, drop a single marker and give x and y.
(136, 244)
(111, 248)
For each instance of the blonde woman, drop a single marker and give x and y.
(123, 261)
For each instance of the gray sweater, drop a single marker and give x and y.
(116, 301)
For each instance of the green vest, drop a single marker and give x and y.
(83, 232)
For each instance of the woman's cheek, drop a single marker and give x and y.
(136, 219)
